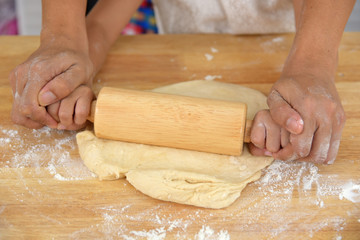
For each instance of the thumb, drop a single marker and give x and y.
(284, 114)
(58, 88)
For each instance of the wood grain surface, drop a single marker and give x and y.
(47, 193)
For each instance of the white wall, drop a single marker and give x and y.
(29, 16)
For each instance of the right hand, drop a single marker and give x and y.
(267, 137)
(49, 75)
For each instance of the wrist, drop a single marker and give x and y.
(63, 22)
(307, 57)
(99, 45)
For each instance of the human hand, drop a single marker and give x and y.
(71, 112)
(49, 75)
(304, 101)
(267, 137)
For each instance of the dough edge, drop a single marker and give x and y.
(142, 171)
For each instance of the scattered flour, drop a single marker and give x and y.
(351, 192)
(271, 197)
(278, 39)
(270, 45)
(214, 50)
(207, 233)
(48, 150)
(212, 77)
(208, 56)
(154, 234)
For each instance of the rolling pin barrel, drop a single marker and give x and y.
(170, 120)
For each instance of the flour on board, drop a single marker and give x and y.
(49, 155)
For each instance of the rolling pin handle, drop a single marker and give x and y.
(92, 112)
(247, 131)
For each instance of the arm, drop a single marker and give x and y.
(61, 56)
(304, 101)
(53, 87)
(104, 25)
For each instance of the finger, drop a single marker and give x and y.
(12, 79)
(40, 115)
(302, 143)
(286, 154)
(83, 106)
(32, 124)
(60, 87)
(24, 121)
(338, 127)
(258, 151)
(18, 79)
(283, 113)
(334, 148)
(320, 146)
(53, 110)
(284, 137)
(66, 112)
(258, 134)
(28, 107)
(272, 135)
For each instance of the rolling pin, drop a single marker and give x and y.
(168, 120)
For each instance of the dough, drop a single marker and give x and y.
(182, 176)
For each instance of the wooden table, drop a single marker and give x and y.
(46, 192)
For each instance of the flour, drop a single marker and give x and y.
(43, 149)
(50, 154)
(278, 39)
(350, 192)
(208, 56)
(207, 233)
(212, 77)
(155, 234)
(214, 50)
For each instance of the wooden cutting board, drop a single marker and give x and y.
(46, 192)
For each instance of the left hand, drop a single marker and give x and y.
(72, 111)
(305, 102)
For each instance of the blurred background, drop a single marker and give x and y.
(23, 17)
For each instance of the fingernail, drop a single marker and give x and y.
(267, 153)
(61, 127)
(294, 126)
(47, 98)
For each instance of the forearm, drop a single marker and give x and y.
(320, 24)
(104, 25)
(64, 22)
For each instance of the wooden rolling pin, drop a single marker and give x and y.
(171, 120)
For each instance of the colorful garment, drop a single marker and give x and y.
(143, 20)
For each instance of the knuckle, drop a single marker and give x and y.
(81, 117)
(65, 117)
(13, 76)
(260, 115)
(273, 148)
(256, 139)
(65, 87)
(302, 149)
(36, 66)
(318, 159)
(331, 107)
(88, 91)
(25, 110)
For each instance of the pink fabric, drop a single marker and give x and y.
(9, 28)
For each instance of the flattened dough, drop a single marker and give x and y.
(182, 176)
